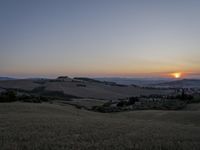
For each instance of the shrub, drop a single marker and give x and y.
(122, 104)
(195, 99)
(132, 100)
(30, 99)
(8, 96)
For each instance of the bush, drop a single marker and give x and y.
(30, 99)
(132, 100)
(122, 103)
(196, 99)
(8, 96)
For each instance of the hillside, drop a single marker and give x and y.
(54, 127)
(185, 83)
(6, 78)
(81, 88)
(136, 81)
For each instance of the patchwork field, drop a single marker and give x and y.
(28, 126)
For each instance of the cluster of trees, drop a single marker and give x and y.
(37, 95)
(11, 96)
(8, 96)
(131, 101)
(124, 106)
(32, 98)
(161, 103)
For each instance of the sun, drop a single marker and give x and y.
(177, 75)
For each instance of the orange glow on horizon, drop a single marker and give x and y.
(177, 75)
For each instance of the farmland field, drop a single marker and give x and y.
(28, 126)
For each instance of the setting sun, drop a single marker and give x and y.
(177, 75)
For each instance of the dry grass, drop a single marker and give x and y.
(26, 126)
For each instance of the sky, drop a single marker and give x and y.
(99, 38)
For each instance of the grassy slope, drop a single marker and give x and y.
(49, 126)
(92, 90)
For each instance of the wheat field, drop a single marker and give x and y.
(28, 126)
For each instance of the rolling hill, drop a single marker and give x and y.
(184, 83)
(6, 78)
(79, 87)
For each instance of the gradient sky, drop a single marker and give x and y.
(127, 38)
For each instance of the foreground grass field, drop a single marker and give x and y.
(28, 126)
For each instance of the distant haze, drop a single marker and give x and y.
(99, 38)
